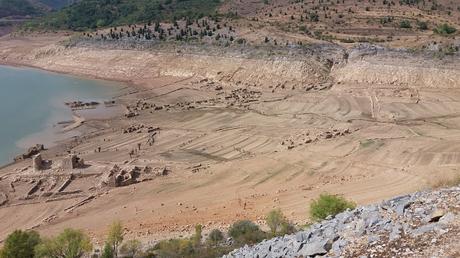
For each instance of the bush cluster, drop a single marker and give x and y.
(329, 205)
(73, 243)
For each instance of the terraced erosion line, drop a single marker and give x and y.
(423, 224)
(257, 125)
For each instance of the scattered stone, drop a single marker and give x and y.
(393, 228)
(436, 215)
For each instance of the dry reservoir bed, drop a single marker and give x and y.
(211, 150)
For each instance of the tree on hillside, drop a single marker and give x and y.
(215, 237)
(197, 236)
(20, 244)
(70, 243)
(115, 236)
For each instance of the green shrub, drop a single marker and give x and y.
(20, 244)
(115, 236)
(328, 204)
(422, 25)
(215, 237)
(70, 243)
(246, 232)
(131, 247)
(445, 29)
(287, 228)
(174, 248)
(197, 236)
(278, 223)
(405, 24)
(107, 252)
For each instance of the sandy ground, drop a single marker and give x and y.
(235, 148)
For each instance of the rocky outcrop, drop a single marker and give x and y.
(34, 150)
(417, 225)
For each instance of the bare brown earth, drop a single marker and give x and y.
(239, 135)
(345, 22)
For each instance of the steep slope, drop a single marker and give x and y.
(424, 224)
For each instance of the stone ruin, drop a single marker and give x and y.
(37, 162)
(72, 162)
(140, 128)
(75, 105)
(34, 150)
(118, 177)
(308, 137)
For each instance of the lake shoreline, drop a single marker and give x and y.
(49, 130)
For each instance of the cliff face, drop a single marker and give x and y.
(379, 67)
(367, 66)
(423, 224)
(141, 66)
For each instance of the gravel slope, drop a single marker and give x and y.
(423, 224)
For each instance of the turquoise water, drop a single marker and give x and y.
(32, 102)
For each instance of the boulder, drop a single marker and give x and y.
(436, 215)
(318, 247)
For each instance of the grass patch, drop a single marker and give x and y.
(366, 143)
(445, 29)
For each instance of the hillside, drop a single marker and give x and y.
(88, 14)
(242, 131)
(29, 7)
(265, 105)
(423, 224)
(415, 25)
(402, 23)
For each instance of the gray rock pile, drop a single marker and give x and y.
(423, 224)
